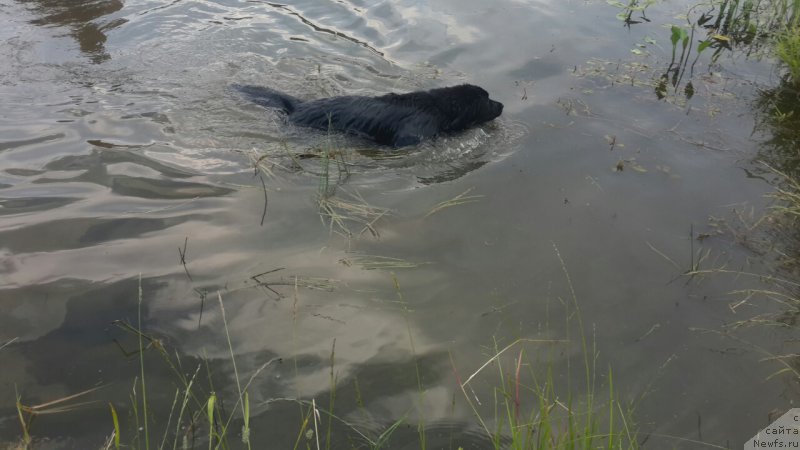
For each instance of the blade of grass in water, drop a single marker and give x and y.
(115, 418)
(187, 394)
(371, 262)
(141, 367)
(459, 199)
(332, 398)
(210, 416)
(241, 397)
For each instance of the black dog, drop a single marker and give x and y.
(392, 119)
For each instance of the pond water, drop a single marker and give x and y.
(127, 163)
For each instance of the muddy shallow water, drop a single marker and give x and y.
(121, 145)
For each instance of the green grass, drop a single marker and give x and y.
(529, 410)
(787, 49)
(193, 409)
(754, 28)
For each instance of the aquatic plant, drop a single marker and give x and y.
(628, 9)
(757, 28)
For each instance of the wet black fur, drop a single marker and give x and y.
(392, 119)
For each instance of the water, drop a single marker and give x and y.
(121, 146)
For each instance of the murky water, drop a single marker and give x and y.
(122, 149)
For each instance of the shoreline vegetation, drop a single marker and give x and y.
(531, 409)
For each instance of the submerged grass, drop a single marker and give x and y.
(350, 218)
(773, 290)
(776, 283)
(780, 251)
(349, 215)
(459, 199)
(9, 342)
(373, 262)
(782, 287)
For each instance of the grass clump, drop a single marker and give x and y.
(197, 414)
(343, 216)
(350, 217)
(27, 414)
(529, 412)
(787, 49)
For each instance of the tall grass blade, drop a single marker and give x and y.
(9, 342)
(210, 416)
(141, 367)
(384, 437)
(459, 199)
(246, 426)
(240, 399)
(22, 422)
(187, 394)
(610, 409)
(115, 418)
(303, 427)
(169, 418)
(406, 313)
(316, 416)
(332, 396)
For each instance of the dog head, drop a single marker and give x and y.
(466, 105)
